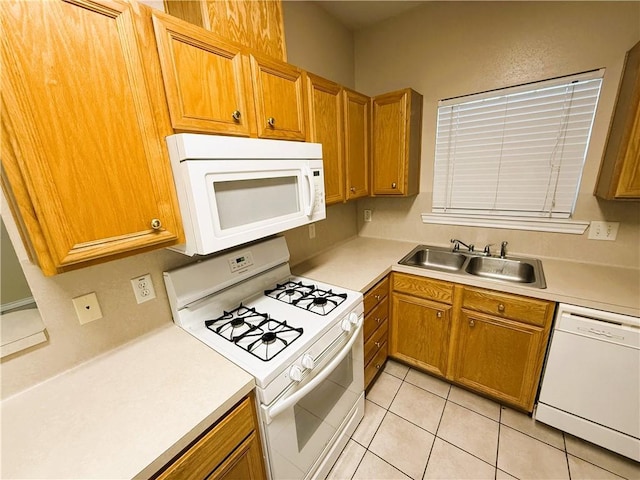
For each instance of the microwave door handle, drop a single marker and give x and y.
(284, 404)
(312, 191)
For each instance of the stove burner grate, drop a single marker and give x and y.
(255, 332)
(235, 323)
(308, 297)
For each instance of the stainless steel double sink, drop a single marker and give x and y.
(527, 271)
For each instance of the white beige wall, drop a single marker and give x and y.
(123, 320)
(446, 49)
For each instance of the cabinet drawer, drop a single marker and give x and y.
(375, 318)
(377, 293)
(209, 452)
(423, 287)
(529, 310)
(374, 365)
(372, 345)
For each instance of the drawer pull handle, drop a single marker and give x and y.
(378, 320)
(500, 307)
(377, 344)
(472, 323)
(439, 314)
(376, 296)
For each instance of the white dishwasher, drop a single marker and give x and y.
(591, 381)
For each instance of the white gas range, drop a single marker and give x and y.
(300, 339)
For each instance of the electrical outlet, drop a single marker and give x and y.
(87, 308)
(312, 230)
(143, 288)
(367, 215)
(603, 230)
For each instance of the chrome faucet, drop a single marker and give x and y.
(457, 243)
(487, 249)
(503, 249)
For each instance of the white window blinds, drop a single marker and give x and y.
(517, 151)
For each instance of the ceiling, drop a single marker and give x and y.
(357, 14)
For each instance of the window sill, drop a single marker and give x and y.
(555, 225)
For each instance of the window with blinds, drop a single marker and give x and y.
(515, 152)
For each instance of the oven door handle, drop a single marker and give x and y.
(287, 402)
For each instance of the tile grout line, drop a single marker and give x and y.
(495, 472)
(435, 435)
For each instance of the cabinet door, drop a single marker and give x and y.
(257, 24)
(325, 121)
(619, 176)
(204, 79)
(420, 331)
(279, 100)
(396, 143)
(82, 149)
(499, 357)
(245, 463)
(357, 117)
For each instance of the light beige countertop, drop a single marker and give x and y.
(359, 263)
(123, 414)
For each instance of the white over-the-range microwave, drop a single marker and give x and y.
(236, 190)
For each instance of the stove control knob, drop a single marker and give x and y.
(295, 373)
(346, 325)
(353, 318)
(308, 361)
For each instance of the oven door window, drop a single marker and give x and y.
(246, 202)
(299, 435)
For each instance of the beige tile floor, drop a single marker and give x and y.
(418, 427)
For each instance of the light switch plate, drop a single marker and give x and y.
(87, 308)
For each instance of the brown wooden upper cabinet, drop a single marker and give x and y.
(397, 129)
(357, 108)
(221, 87)
(325, 123)
(204, 79)
(258, 24)
(279, 99)
(619, 177)
(84, 164)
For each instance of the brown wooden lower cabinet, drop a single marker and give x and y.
(487, 341)
(420, 331)
(229, 450)
(499, 357)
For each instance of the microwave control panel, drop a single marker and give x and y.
(318, 181)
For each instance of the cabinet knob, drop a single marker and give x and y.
(377, 297)
(353, 189)
(472, 323)
(377, 344)
(439, 314)
(271, 121)
(500, 307)
(378, 366)
(236, 115)
(378, 320)
(156, 224)
(393, 185)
